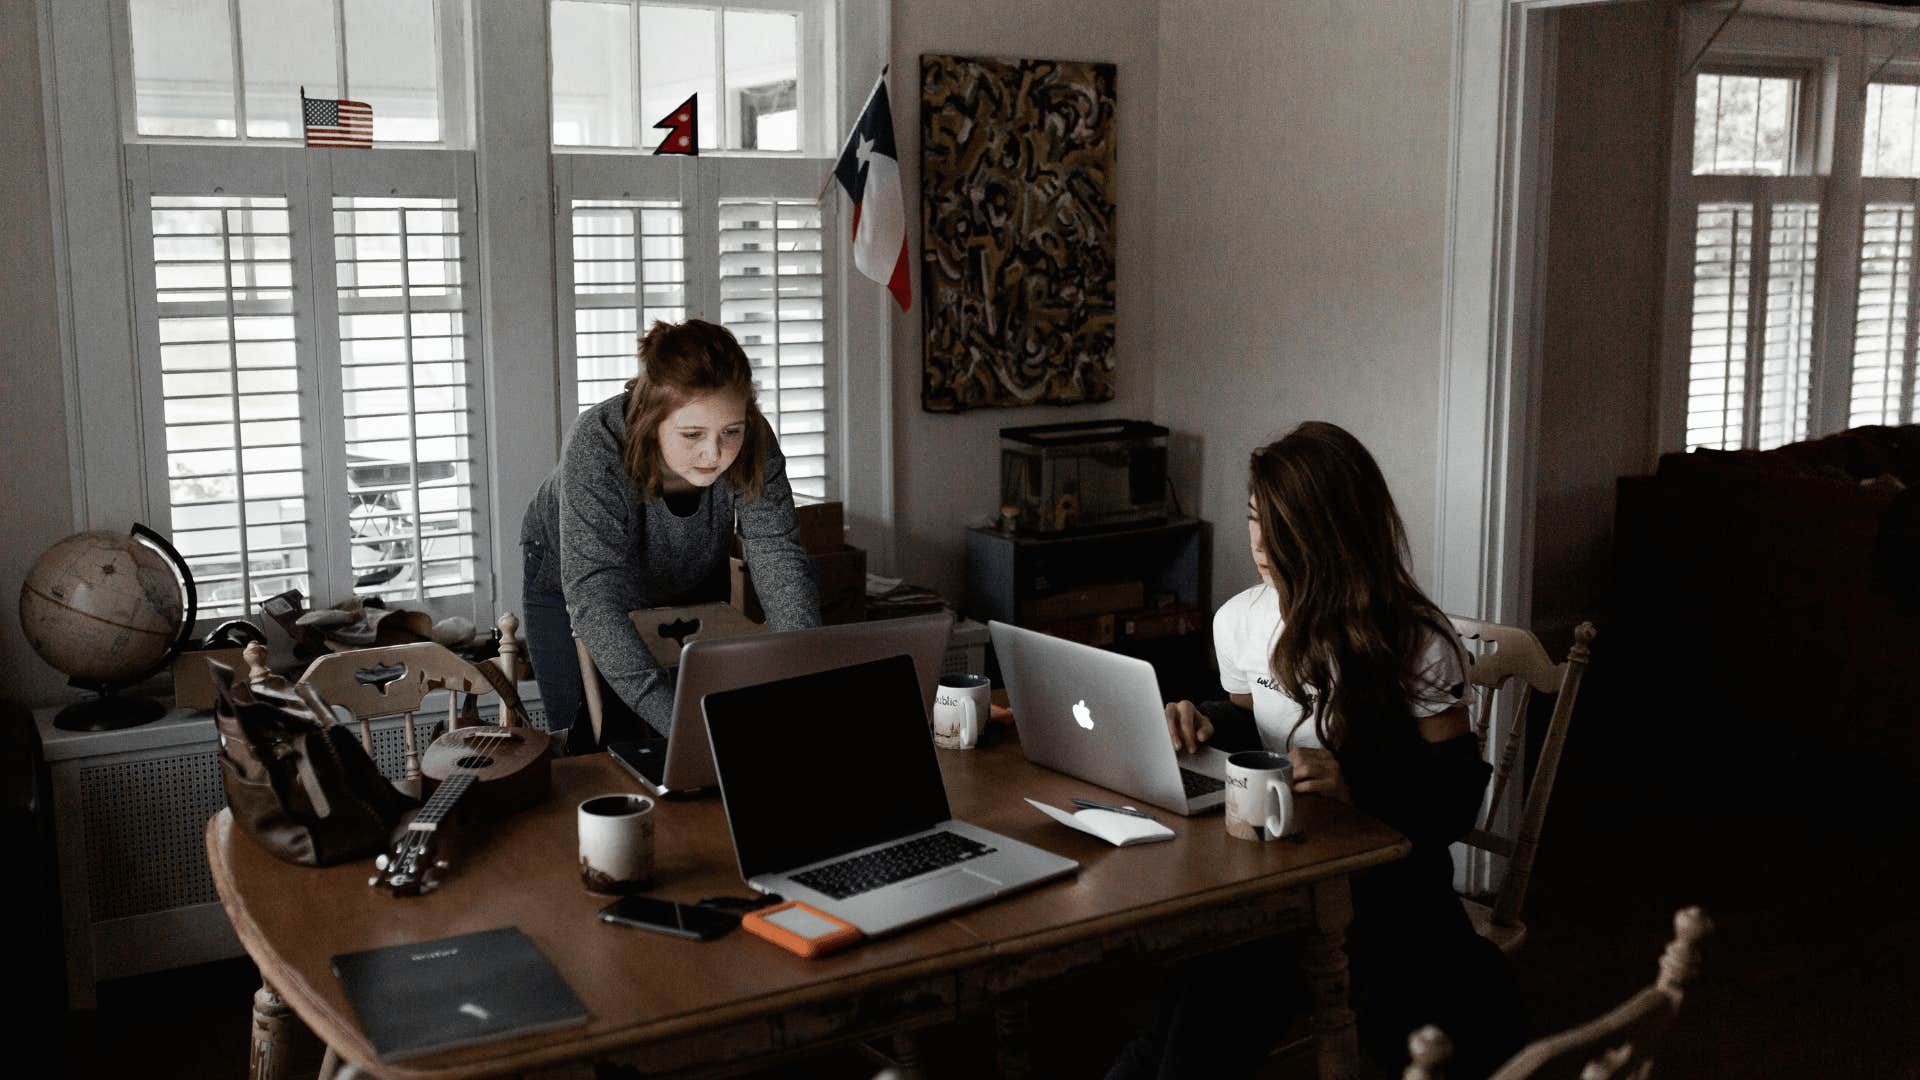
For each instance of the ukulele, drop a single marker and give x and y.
(502, 768)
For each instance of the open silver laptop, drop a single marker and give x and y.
(1098, 715)
(681, 764)
(834, 797)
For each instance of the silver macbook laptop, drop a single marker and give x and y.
(1098, 715)
(834, 797)
(681, 764)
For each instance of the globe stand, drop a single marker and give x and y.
(110, 711)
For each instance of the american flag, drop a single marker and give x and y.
(337, 123)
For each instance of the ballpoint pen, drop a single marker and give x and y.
(1089, 804)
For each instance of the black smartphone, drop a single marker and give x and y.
(669, 917)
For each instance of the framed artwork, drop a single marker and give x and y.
(1017, 188)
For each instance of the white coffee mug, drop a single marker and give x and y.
(1260, 796)
(616, 843)
(960, 707)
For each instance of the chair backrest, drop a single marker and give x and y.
(1510, 661)
(1621, 1045)
(390, 680)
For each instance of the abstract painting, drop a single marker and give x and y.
(1017, 188)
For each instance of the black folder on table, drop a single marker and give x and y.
(436, 995)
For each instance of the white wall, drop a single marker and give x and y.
(1600, 334)
(946, 466)
(36, 501)
(1300, 241)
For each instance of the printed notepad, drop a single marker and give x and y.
(1118, 829)
(457, 991)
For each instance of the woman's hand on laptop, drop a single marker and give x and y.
(1188, 726)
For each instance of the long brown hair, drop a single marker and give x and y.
(680, 362)
(1355, 622)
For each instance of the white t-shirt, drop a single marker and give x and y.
(1245, 630)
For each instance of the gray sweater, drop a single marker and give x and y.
(619, 550)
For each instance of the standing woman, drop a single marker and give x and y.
(639, 513)
(1338, 660)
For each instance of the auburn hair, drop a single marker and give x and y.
(1354, 622)
(678, 363)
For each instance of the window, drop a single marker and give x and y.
(190, 80)
(619, 66)
(1755, 246)
(304, 317)
(735, 235)
(308, 389)
(1883, 388)
(1761, 351)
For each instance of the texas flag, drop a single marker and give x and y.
(869, 170)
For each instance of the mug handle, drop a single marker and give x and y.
(969, 733)
(1281, 823)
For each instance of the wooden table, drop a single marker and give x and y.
(672, 1006)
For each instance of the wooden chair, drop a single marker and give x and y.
(1509, 661)
(1622, 1044)
(389, 680)
(383, 681)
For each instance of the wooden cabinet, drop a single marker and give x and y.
(1117, 588)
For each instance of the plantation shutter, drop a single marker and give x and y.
(773, 298)
(220, 329)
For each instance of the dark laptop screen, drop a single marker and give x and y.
(820, 764)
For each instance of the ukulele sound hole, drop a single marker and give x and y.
(474, 761)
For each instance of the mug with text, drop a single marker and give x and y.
(1260, 796)
(616, 843)
(960, 707)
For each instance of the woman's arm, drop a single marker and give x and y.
(1429, 788)
(599, 552)
(782, 573)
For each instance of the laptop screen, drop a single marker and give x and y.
(821, 764)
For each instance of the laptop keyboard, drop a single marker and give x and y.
(1198, 784)
(864, 873)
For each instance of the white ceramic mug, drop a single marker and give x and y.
(616, 843)
(960, 707)
(1260, 796)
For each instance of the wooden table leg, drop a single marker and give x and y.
(1010, 1025)
(906, 1057)
(267, 1058)
(1336, 1043)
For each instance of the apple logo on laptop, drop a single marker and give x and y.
(1083, 715)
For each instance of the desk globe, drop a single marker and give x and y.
(107, 610)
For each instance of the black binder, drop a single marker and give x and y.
(436, 995)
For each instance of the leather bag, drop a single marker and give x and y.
(297, 782)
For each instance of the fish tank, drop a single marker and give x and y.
(1089, 475)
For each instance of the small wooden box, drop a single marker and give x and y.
(841, 575)
(193, 680)
(823, 526)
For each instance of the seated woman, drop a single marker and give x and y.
(640, 512)
(1340, 661)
